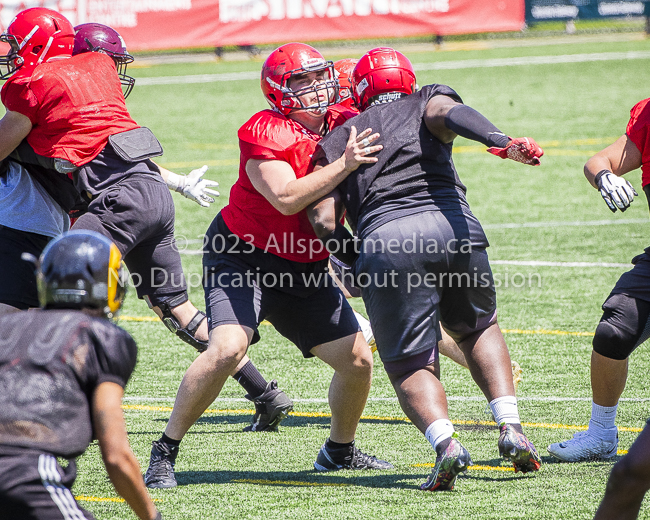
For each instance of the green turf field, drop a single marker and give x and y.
(572, 110)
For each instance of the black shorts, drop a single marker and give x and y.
(636, 283)
(247, 288)
(428, 273)
(137, 214)
(17, 276)
(34, 486)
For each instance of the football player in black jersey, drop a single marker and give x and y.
(422, 258)
(63, 370)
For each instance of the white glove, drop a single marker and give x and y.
(193, 186)
(616, 191)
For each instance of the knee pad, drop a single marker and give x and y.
(624, 326)
(187, 333)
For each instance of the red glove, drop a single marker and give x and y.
(521, 149)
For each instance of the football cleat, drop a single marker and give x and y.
(271, 408)
(516, 447)
(349, 457)
(449, 464)
(160, 473)
(584, 446)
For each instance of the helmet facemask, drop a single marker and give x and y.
(294, 98)
(10, 62)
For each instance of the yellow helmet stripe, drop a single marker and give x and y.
(114, 264)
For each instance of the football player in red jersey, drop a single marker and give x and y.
(414, 224)
(85, 124)
(263, 260)
(624, 326)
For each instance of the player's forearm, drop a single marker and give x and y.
(124, 472)
(594, 166)
(300, 193)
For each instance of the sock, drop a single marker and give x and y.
(505, 410)
(602, 423)
(337, 445)
(251, 379)
(169, 440)
(438, 432)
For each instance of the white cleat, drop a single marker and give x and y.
(583, 447)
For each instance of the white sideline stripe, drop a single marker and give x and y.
(550, 399)
(533, 60)
(440, 65)
(541, 263)
(618, 222)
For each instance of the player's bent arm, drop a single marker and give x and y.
(277, 181)
(14, 127)
(619, 158)
(325, 213)
(121, 465)
(435, 116)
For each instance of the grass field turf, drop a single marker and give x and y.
(573, 110)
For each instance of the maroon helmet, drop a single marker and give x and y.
(95, 37)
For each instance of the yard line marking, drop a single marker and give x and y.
(505, 331)
(479, 468)
(287, 482)
(439, 65)
(552, 426)
(542, 263)
(547, 332)
(107, 499)
(576, 223)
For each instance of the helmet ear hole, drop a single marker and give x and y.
(37, 49)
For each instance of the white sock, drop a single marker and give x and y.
(505, 410)
(438, 431)
(364, 324)
(603, 421)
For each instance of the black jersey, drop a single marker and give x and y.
(415, 171)
(51, 362)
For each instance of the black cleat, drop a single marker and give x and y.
(271, 408)
(347, 458)
(160, 473)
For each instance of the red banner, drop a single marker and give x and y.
(163, 24)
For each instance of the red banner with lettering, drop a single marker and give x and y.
(164, 24)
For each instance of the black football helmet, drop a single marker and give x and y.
(81, 270)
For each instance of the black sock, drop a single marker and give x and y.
(169, 440)
(337, 445)
(251, 379)
(442, 446)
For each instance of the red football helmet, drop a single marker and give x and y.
(95, 37)
(382, 75)
(35, 35)
(294, 59)
(344, 70)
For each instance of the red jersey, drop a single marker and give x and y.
(74, 105)
(637, 130)
(269, 135)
